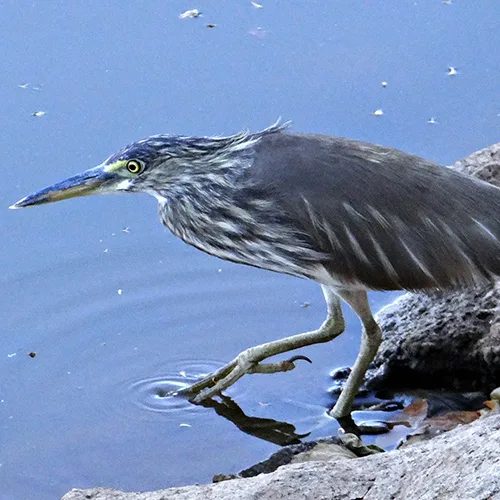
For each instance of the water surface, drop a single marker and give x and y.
(116, 309)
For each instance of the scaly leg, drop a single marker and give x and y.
(370, 342)
(250, 360)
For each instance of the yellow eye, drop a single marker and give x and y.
(134, 167)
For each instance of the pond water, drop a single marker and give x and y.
(115, 309)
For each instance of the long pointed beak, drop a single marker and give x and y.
(88, 182)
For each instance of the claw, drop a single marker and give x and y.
(296, 358)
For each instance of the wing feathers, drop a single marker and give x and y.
(384, 218)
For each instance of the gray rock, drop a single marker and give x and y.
(463, 464)
(483, 164)
(448, 342)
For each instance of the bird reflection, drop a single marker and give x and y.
(268, 429)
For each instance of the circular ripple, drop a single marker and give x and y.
(157, 394)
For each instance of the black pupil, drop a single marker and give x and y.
(133, 166)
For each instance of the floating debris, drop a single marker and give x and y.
(184, 425)
(447, 2)
(12, 355)
(210, 25)
(258, 32)
(432, 120)
(384, 84)
(28, 86)
(38, 114)
(452, 71)
(190, 14)
(305, 305)
(120, 291)
(257, 5)
(32, 354)
(183, 374)
(378, 112)
(126, 230)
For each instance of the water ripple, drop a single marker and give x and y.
(155, 394)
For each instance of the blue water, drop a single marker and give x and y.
(112, 305)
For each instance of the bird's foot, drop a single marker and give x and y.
(249, 361)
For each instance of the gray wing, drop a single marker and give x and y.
(384, 218)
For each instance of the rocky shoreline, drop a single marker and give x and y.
(463, 464)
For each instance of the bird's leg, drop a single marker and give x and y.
(249, 361)
(370, 342)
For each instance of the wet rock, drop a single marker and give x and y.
(336, 389)
(373, 427)
(298, 452)
(341, 373)
(460, 464)
(454, 344)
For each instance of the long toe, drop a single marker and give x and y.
(208, 381)
(281, 366)
(233, 376)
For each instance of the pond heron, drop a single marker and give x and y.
(350, 215)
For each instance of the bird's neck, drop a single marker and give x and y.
(227, 217)
(193, 206)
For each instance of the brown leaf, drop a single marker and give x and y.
(416, 411)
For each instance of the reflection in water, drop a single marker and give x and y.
(161, 394)
(273, 431)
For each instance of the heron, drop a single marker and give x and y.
(350, 215)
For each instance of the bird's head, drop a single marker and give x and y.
(144, 166)
(154, 165)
